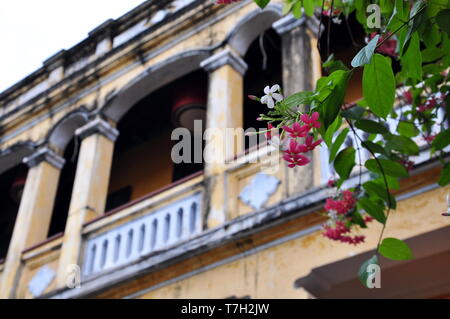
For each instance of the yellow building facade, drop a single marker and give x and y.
(94, 207)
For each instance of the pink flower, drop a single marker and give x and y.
(337, 234)
(337, 205)
(331, 183)
(297, 130)
(341, 206)
(407, 164)
(389, 47)
(429, 138)
(309, 144)
(421, 108)
(368, 219)
(430, 103)
(296, 160)
(311, 121)
(408, 97)
(294, 148)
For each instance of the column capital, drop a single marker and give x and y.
(98, 126)
(288, 23)
(225, 57)
(47, 155)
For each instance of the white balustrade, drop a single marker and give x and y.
(157, 230)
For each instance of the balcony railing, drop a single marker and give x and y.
(156, 230)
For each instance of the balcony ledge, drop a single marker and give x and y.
(242, 226)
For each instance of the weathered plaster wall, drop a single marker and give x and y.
(272, 272)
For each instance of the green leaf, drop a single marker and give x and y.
(430, 35)
(344, 162)
(443, 20)
(365, 54)
(379, 85)
(435, 6)
(297, 9)
(412, 59)
(297, 99)
(373, 209)
(354, 113)
(380, 191)
(337, 144)
(363, 273)
(432, 54)
(441, 140)
(328, 136)
(389, 167)
(333, 65)
(392, 182)
(329, 109)
(395, 249)
(402, 144)
(399, 15)
(444, 178)
(358, 219)
(287, 8)
(262, 3)
(374, 147)
(370, 126)
(308, 6)
(407, 129)
(418, 13)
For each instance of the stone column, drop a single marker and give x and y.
(225, 110)
(89, 191)
(301, 69)
(35, 212)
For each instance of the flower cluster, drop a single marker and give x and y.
(432, 101)
(327, 10)
(341, 206)
(429, 138)
(338, 233)
(293, 154)
(339, 226)
(388, 47)
(407, 96)
(407, 164)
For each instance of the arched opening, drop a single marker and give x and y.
(12, 183)
(64, 191)
(264, 62)
(142, 160)
(62, 137)
(344, 40)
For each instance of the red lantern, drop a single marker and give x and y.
(189, 104)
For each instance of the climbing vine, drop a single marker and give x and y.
(413, 35)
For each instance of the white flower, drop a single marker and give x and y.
(271, 94)
(337, 20)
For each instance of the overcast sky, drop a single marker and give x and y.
(33, 30)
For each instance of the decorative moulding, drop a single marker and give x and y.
(44, 154)
(225, 57)
(98, 126)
